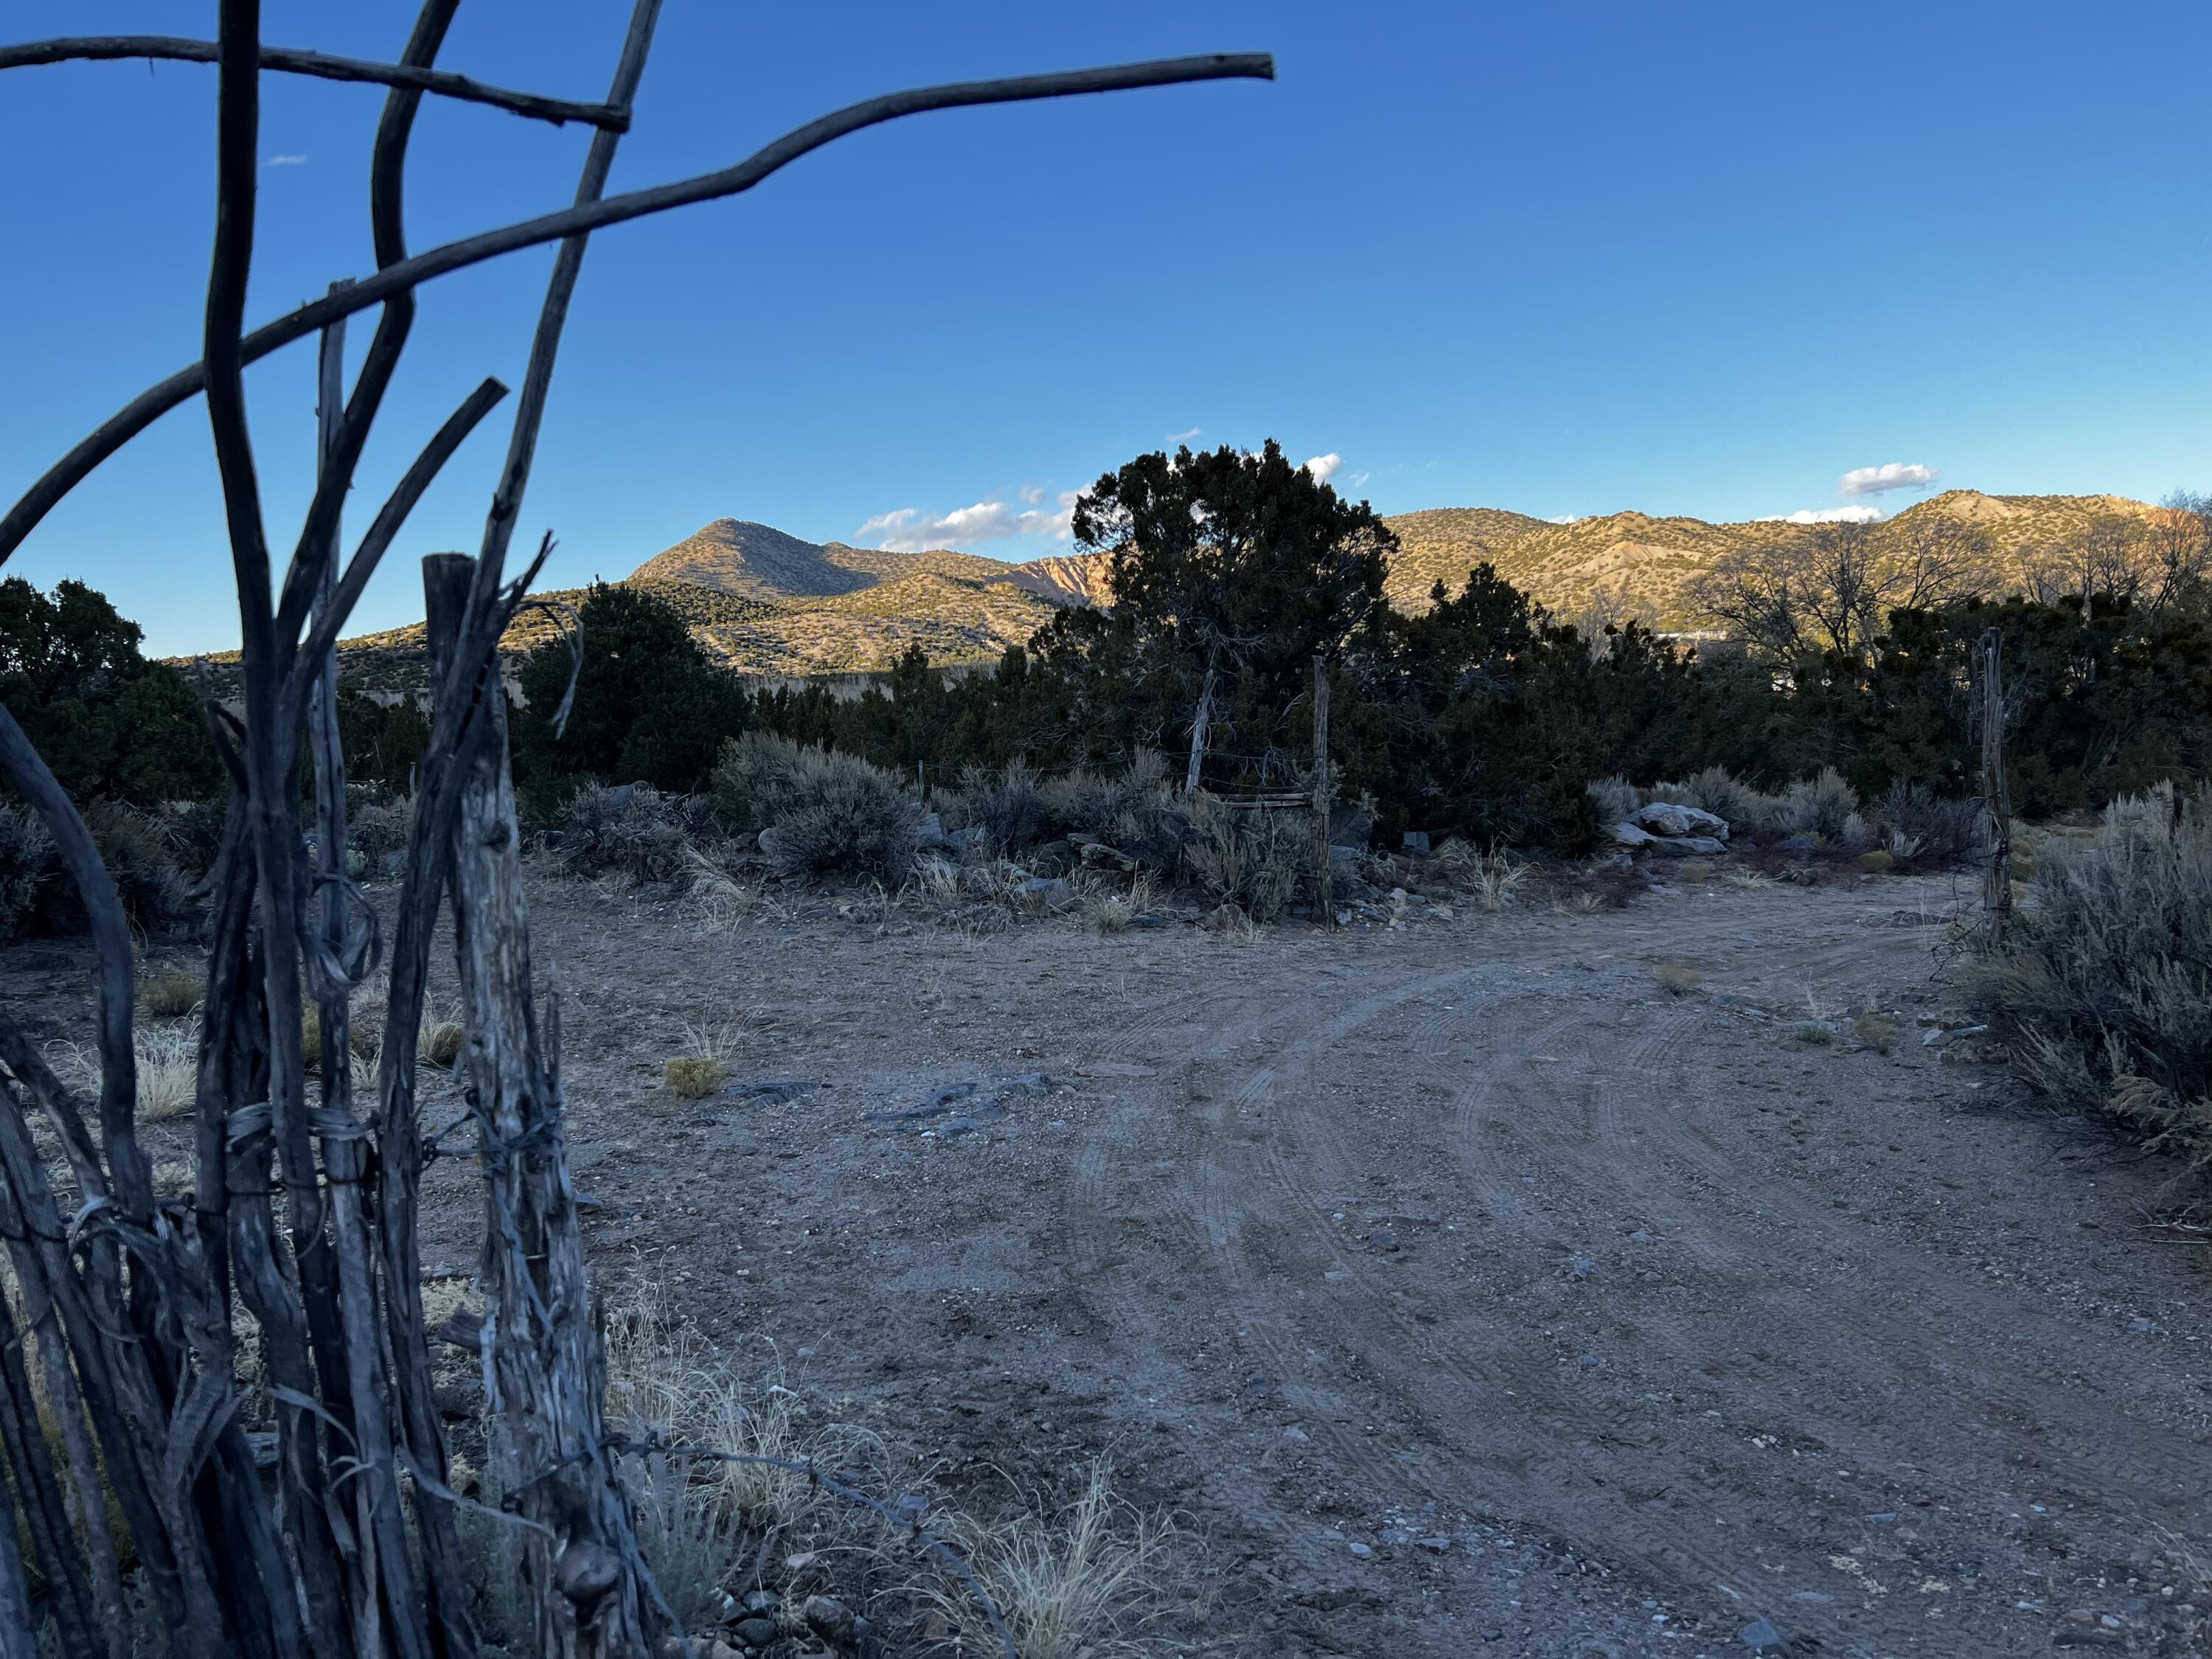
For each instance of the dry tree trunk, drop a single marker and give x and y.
(1323, 795)
(1996, 793)
(545, 1370)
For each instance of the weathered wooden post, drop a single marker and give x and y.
(1323, 795)
(545, 1371)
(1997, 880)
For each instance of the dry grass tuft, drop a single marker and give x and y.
(704, 1065)
(168, 1067)
(1692, 872)
(1085, 1581)
(441, 1041)
(717, 901)
(169, 995)
(693, 1077)
(1491, 880)
(1678, 978)
(1877, 1031)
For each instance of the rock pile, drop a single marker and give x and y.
(1674, 831)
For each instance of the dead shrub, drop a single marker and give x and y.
(1678, 978)
(2104, 988)
(1920, 826)
(630, 830)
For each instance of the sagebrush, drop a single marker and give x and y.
(2104, 985)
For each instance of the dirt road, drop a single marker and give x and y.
(1470, 1290)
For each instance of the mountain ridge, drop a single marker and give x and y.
(766, 603)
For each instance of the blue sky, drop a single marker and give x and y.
(1564, 258)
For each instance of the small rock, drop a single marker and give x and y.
(1046, 893)
(1641, 1236)
(1762, 1636)
(1588, 1362)
(1362, 1552)
(1583, 1268)
(756, 1633)
(799, 1562)
(1883, 1518)
(1396, 1535)
(762, 1601)
(2143, 1327)
(1295, 1435)
(1436, 1545)
(1683, 847)
(827, 1617)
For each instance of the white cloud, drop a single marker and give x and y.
(1358, 478)
(1565, 518)
(1323, 467)
(1826, 515)
(286, 161)
(1897, 475)
(1184, 437)
(908, 530)
(1030, 494)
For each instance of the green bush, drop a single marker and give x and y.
(649, 705)
(2103, 988)
(1823, 805)
(111, 724)
(816, 809)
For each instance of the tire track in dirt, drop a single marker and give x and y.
(1491, 1372)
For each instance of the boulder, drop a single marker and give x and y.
(1683, 847)
(1046, 893)
(1627, 834)
(929, 833)
(1666, 819)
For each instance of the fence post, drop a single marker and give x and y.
(545, 1372)
(1324, 903)
(1997, 880)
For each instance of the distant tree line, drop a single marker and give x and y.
(1483, 716)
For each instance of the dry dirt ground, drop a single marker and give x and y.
(1468, 1292)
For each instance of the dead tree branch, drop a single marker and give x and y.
(156, 401)
(608, 118)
